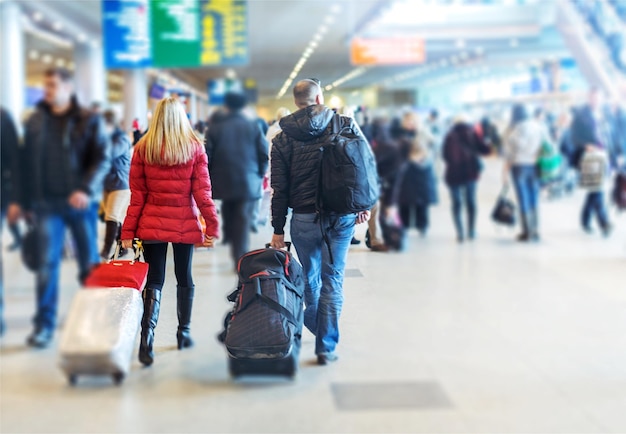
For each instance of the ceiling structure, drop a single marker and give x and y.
(490, 39)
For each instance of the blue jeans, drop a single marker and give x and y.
(458, 194)
(594, 204)
(52, 221)
(323, 291)
(526, 187)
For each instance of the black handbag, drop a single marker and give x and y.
(504, 211)
(33, 248)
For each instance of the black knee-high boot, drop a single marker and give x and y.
(110, 236)
(151, 306)
(184, 299)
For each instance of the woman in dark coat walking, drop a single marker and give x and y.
(462, 149)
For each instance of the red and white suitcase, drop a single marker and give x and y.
(100, 333)
(103, 321)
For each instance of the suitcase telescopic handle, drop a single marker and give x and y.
(287, 243)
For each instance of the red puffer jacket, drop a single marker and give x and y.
(163, 201)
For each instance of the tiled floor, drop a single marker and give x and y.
(491, 336)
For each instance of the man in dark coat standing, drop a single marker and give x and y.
(10, 154)
(238, 160)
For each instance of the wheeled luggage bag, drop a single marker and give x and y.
(263, 331)
(103, 321)
(100, 333)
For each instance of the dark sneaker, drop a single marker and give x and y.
(326, 358)
(606, 231)
(379, 248)
(355, 242)
(40, 338)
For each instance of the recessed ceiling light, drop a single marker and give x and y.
(37, 16)
(60, 62)
(57, 26)
(460, 43)
(46, 58)
(336, 8)
(329, 87)
(81, 37)
(33, 54)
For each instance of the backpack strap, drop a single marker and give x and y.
(336, 123)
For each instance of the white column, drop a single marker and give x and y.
(13, 60)
(90, 75)
(193, 107)
(136, 96)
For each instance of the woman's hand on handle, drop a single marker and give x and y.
(127, 244)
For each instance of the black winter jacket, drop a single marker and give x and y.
(87, 156)
(238, 159)
(118, 177)
(296, 158)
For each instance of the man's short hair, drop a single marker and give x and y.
(235, 101)
(64, 74)
(109, 117)
(305, 92)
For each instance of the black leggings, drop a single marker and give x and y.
(156, 255)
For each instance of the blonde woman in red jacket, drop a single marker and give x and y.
(170, 185)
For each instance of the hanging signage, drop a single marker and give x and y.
(126, 33)
(175, 33)
(387, 51)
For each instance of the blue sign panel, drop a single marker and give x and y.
(126, 33)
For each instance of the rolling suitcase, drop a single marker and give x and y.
(104, 319)
(263, 331)
(100, 333)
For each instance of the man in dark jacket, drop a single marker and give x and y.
(9, 161)
(238, 159)
(295, 179)
(66, 157)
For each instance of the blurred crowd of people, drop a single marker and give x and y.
(74, 164)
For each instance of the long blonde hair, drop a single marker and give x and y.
(170, 139)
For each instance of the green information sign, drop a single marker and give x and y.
(182, 33)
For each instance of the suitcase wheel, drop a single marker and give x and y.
(72, 379)
(233, 368)
(118, 378)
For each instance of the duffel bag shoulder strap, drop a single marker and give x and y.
(267, 301)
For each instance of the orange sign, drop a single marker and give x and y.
(387, 51)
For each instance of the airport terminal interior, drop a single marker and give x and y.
(484, 334)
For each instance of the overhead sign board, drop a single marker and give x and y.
(387, 51)
(175, 33)
(126, 33)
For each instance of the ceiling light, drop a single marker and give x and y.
(313, 44)
(335, 9)
(460, 43)
(81, 37)
(33, 54)
(57, 26)
(329, 19)
(37, 16)
(329, 87)
(46, 58)
(71, 65)
(60, 62)
(323, 29)
(293, 75)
